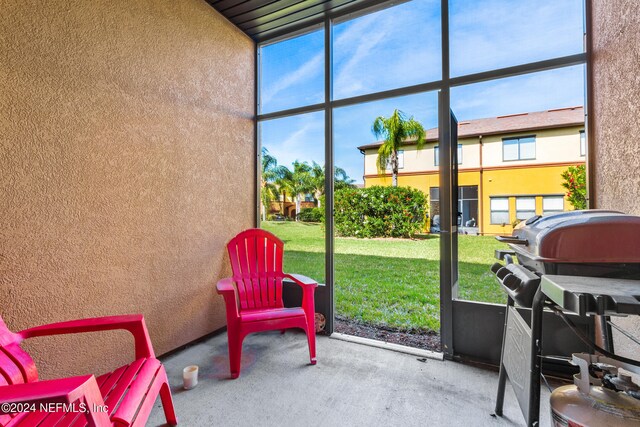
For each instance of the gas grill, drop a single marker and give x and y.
(591, 243)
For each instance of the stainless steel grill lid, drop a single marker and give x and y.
(578, 237)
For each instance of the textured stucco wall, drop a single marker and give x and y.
(126, 163)
(616, 117)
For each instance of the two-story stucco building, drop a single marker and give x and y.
(509, 167)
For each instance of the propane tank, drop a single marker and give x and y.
(600, 397)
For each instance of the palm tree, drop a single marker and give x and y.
(340, 180)
(283, 183)
(317, 180)
(297, 182)
(395, 131)
(269, 190)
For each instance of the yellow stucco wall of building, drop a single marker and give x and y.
(424, 182)
(512, 182)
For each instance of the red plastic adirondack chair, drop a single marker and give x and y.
(123, 397)
(253, 296)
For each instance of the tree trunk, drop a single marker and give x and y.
(394, 168)
(297, 206)
(284, 199)
(264, 212)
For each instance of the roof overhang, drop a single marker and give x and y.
(264, 20)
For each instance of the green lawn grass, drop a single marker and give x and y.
(392, 282)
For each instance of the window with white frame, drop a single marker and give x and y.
(436, 155)
(583, 144)
(552, 204)
(525, 208)
(522, 148)
(499, 210)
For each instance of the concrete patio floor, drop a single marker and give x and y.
(352, 385)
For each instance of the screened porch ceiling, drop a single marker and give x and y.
(266, 19)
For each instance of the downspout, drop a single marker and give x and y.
(364, 164)
(480, 191)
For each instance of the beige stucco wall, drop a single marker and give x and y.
(616, 117)
(552, 146)
(423, 160)
(127, 156)
(414, 159)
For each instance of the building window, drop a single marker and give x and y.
(523, 148)
(552, 204)
(525, 208)
(468, 206)
(400, 160)
(583, 143)
(436, 155)
(434, 209)
(434, 193)
(499, 210)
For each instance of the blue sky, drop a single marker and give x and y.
(400, 46)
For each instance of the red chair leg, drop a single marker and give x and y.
(311, 338)
(167, 404)
(235, 353)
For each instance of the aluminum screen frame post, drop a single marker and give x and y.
(328, 175)
(447, 291)
(256, 134)
(448, 226)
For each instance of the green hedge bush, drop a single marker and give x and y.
(311, 215)
(379, 211)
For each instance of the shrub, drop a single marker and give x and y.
(379, 211)
(574, 179)
(311, 215)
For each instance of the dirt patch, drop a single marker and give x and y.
(422, 340)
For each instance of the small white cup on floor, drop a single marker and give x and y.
(190, 377)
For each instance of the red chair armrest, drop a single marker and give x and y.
(308, 286)
(134, 323)
(226, 286)
(228, 291)
(65, 390)
(301, 280)
(82, 390)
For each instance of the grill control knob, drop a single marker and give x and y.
(512, 282)
(495, 267)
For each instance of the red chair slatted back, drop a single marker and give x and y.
(16, 366)
(256, 260)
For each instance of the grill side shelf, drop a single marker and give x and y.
(593, 295)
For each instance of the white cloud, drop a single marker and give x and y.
(292, 139)
(531, 92)
(388, 49)
(498, 33)
(306, 72)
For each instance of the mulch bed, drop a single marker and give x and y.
(422, 340)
